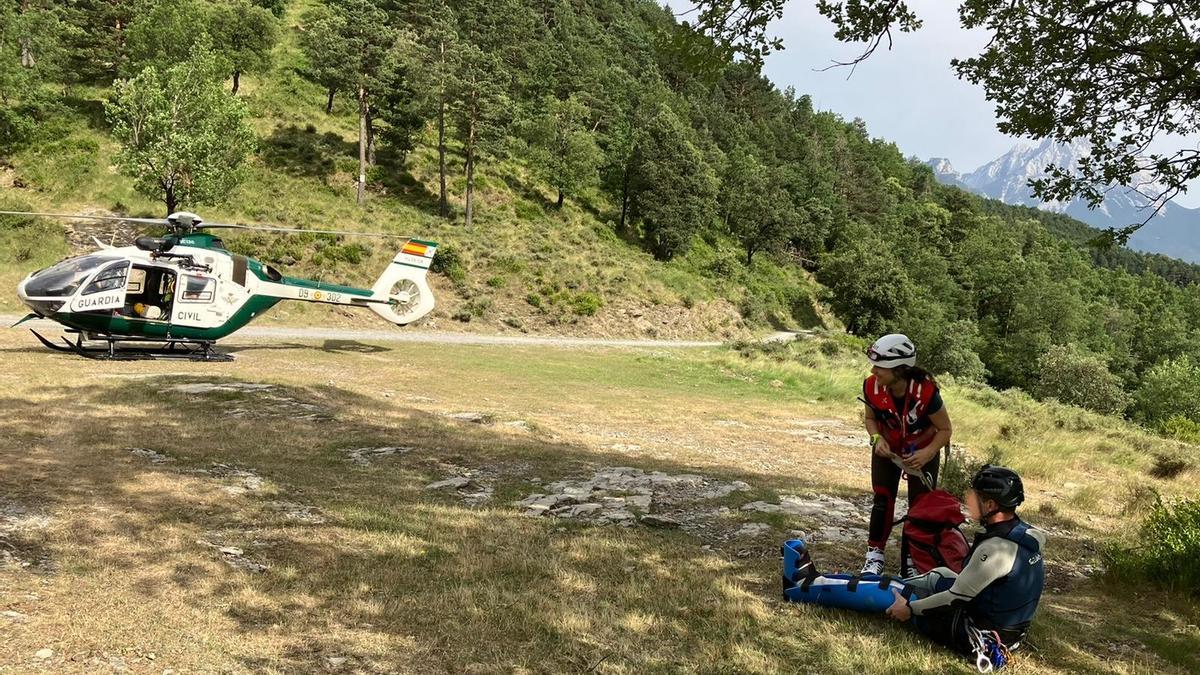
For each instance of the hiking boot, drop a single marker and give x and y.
(874, 562)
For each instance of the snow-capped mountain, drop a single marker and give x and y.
(1175, 231)
(944, 171)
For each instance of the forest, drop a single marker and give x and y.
(615, 107)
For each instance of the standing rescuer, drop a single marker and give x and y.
(909, 425)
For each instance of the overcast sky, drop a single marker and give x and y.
(908, 95)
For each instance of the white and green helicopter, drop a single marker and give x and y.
(184, 291)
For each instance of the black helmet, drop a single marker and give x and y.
(999, 483)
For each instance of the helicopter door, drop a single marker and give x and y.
(194, 296)
(106, 290)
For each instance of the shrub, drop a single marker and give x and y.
(954, 352)
(1169, 389)
(449, 262)
(956, 475)
(1167, 466)
(1167, 550)
(1181, 428)
(1080, 379)
(586, 303)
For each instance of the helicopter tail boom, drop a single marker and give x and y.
(402, 286)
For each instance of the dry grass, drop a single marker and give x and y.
(402, 579)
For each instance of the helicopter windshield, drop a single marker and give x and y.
(63, 279)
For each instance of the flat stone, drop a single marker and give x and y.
(640, 501)
(44, 654)
(153, 456)
(765, 507)
(13, 616)
(209, 387)
(753, 530)
(455, 483)
(231, 550)
(659, 521)
(617, 518)
(585, 509)
(471, 417)
(336, 661)
(365, 455)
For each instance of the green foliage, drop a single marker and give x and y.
(164, 34)
(955, 476)
(674, 189)
(183, 139)
(1181, 428)
(449, 262)
(1076, 378)
(586, 303)
(1166, 551)
(33, 39)
(562, 148)
(244, 33)
(1169, 390)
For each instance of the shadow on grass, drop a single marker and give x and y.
(400, 577)
(304, 152)
(90, 110)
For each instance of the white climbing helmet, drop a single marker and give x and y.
(892, 350)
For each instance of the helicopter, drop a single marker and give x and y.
(175, 295)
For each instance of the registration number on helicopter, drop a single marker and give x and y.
(323, 296)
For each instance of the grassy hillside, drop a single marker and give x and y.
(265, 542)
(524, 264)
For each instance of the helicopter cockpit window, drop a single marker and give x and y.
(108, 279)
(63, 279)
(198, 289)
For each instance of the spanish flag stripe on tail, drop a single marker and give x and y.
(415, 248)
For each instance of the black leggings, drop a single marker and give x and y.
(885, 482)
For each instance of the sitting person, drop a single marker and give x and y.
(984, 611)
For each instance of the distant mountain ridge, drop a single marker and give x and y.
(1174, 231)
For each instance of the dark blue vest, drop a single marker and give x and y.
(1010, 602)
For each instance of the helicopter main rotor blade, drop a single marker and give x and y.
(264, 228)
(122, 219)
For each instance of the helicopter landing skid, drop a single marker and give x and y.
(176, 349)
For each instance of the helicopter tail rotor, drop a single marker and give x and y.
(403, 284)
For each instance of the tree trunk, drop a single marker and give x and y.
(470, 174)
(749, 256)
(237, 77)
(370, 135)
(329, 101)
(443, 203)
(170, 199)
(560, 199)
(362, 145)
(27, 60)
(624, 197)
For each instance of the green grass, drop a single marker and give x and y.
(400, 578)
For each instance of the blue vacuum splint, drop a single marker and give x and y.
(867, 593)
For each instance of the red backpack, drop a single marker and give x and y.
(931, 537)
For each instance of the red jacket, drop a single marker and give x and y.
(902, 428)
